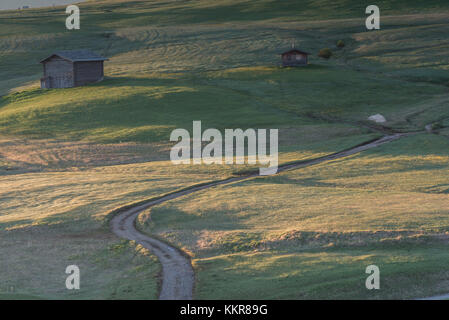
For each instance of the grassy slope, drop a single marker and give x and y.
(62, 216)
(310, 233)
(186, 59)
(146, 48)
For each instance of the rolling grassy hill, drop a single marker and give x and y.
(69, 156)
(310, 233)
(160, 62)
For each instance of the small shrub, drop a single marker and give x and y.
(340, 44)
(106, 34)
(436, 126)
(325, 53)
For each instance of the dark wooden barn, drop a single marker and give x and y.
(294, 58)
(65, 69)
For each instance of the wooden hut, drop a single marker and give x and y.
(65, 69)
(294, 58)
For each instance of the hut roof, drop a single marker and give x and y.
(76, 55)
(295, 51)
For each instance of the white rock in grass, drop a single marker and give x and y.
(377, 118)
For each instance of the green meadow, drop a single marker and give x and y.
(68, 157)
(310, 233)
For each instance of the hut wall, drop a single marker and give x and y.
(58, 73)
(294, 59)
(89, 71)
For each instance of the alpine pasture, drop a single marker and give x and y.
(68, 157)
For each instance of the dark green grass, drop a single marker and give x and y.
(132, 109)
(405, 273)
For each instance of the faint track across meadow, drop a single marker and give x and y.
(178, 277)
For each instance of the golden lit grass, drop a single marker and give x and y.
(20, 155)
(50, 220)
(168, 68)
(32, 198)
(377, 205)
(61, 214)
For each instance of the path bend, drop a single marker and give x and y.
(178, 277)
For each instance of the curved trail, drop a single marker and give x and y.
(177, 273)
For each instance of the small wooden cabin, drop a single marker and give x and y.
(66, 69)
(294, 58)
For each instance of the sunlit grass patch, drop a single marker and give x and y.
(368, 208)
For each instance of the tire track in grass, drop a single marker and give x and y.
(178, 277)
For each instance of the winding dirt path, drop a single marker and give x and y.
(178, 277)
